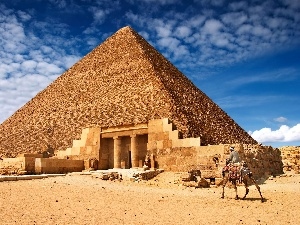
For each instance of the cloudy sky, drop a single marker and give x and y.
(245, 55)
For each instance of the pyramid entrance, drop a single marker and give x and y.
(123, 146)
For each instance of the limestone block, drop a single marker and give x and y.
(96, 140)
(152, 145)
(155, 126)
(166, 125)
(82, 151)
(167, 144)
(187, 152)
(88, 150)
(202, 183)
(152, 137)
(160, 144)
(75, 150)
(78, 143)
(185, 142)
(194, 142)
(85, 132)
(61, 154)
(173, 135)
(30, 155)
(10, 178)
(177, 143)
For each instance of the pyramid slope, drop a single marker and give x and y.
(122, 81)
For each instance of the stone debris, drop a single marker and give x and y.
(126, 174)
(193, 179)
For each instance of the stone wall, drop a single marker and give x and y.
(291, 158)
(173, 153)
(24, 163)
(262, 160)
(87, 147)
(50, 165)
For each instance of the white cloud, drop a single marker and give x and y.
(45, 68)
(212, 26)
(70, 60)
(24, 16)
(29, 62)
(29, 65)
(169, 42)
(241, 5)
(281, 119)
(245, 28)
(234, 18)
(261, 31)
(279, 75)
(99, 16)
(163, 31)
(196, 21)
(283, 134)
(182, 31)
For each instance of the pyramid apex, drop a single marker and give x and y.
(125, 29)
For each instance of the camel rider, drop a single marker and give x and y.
(234, 157)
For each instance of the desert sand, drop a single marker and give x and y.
(83, 199)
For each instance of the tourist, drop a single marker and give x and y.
(234, 157)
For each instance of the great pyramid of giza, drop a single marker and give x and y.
(122, 81)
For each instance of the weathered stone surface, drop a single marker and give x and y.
(122, 81)
(291, 158)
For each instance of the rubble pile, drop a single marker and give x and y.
(193, 179)
(126, 174)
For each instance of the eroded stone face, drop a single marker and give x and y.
(123, 81)
(291, 158)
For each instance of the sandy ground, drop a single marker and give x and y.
(82, 199)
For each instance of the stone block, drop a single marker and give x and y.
(155, 126)
(76, 150)
(177, 143)
(30, 155)
(173, 135)
(78, 143)
(160, 144)
(167, 144)
(166, 125)
(68, 151)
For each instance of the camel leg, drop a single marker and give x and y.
(224, 182)
(235, 188)
(245, 181)
(258, 188)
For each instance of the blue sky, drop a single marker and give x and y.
(245, 55)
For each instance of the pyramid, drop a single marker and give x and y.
(122, 81)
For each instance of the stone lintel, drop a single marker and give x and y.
(130, 132)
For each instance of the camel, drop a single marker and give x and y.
(235, 174)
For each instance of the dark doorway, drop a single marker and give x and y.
(129, 159)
